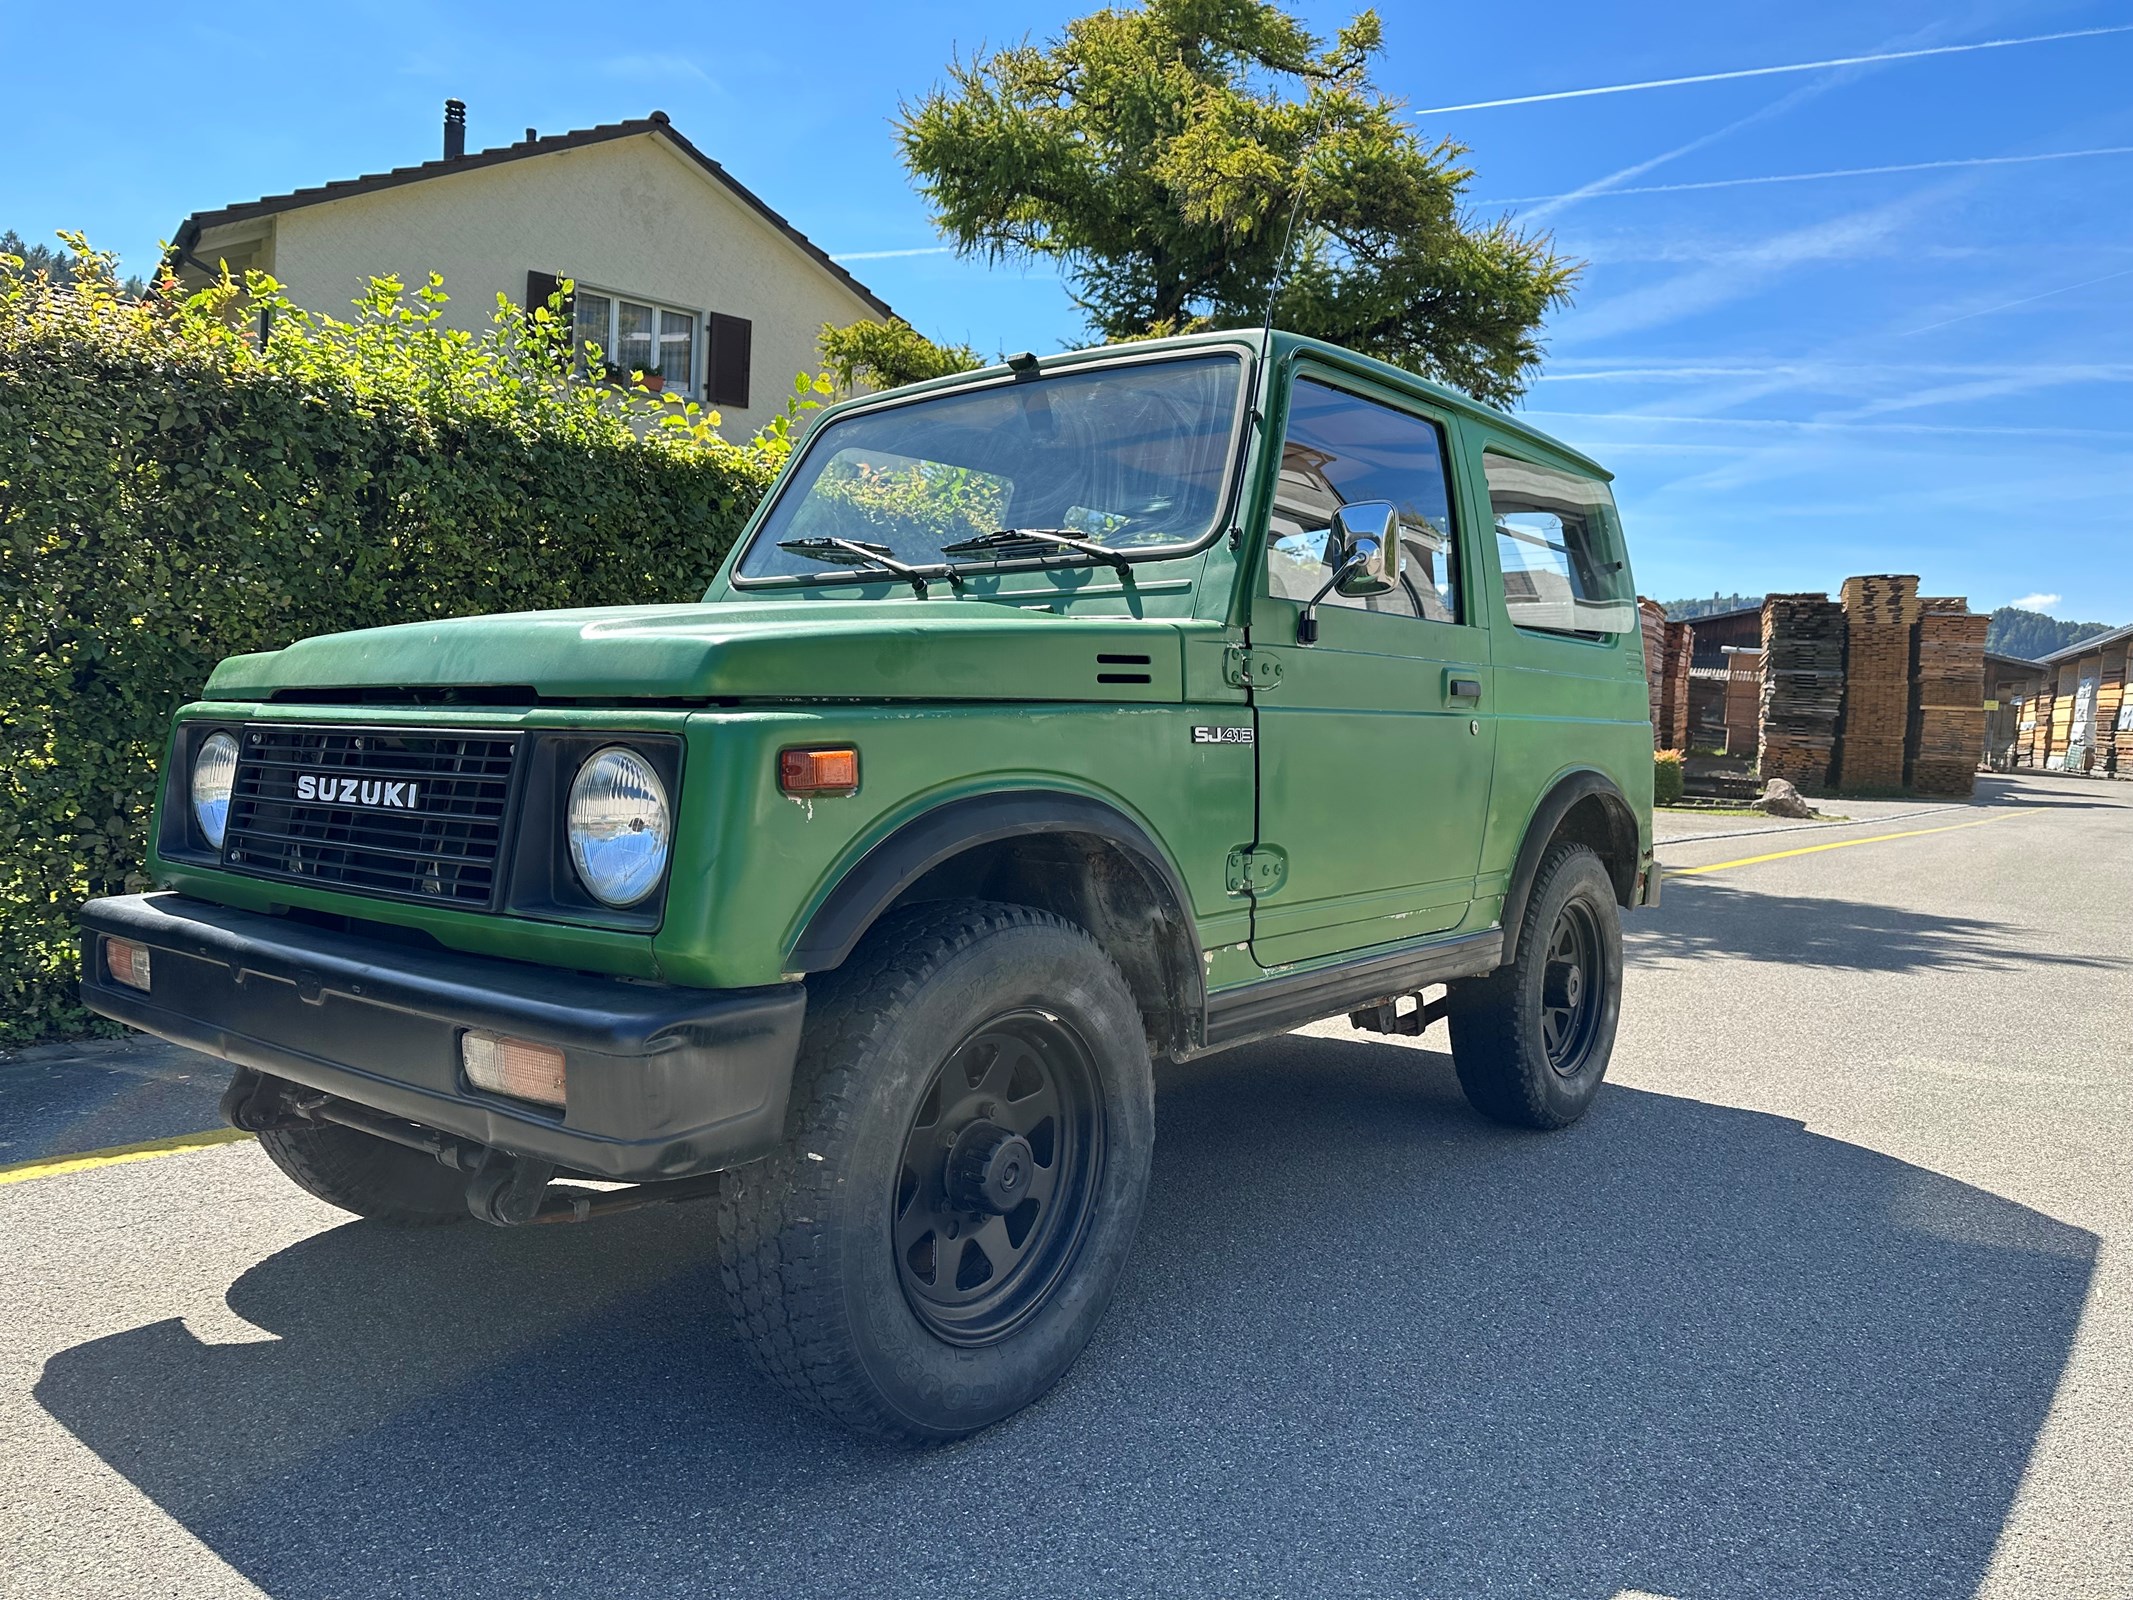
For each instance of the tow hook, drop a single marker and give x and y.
(506, 1190)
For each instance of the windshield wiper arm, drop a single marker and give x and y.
(863, 553)
(1008, 538)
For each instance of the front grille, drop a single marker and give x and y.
(356, 824)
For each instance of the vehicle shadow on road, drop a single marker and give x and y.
(1703, 917)
(1369, 1345)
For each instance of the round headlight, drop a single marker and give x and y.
(214, 773)
(619, 826)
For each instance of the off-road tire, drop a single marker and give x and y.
(1500, 1038)
(808, 1246)
(372, 1177)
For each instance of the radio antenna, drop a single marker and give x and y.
(1288, 238)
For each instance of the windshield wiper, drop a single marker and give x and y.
(1009, 538)
(863, 553)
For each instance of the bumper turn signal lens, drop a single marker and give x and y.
(127, 963)
(819, 774)
(516, 1067)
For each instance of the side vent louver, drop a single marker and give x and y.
(1118, 669)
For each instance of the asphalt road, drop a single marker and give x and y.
(1829, 1296)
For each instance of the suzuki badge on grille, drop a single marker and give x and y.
(395, 795)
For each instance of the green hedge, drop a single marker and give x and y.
(173, 491)
(1667, 774)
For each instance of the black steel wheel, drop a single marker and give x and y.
(967, 1154)
(997, 1176)
(1531, 1041)
(1572, 998)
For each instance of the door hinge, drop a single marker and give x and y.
(1246, 668)
(1259, 871)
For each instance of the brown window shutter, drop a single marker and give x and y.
(726, 364)
(539, 287)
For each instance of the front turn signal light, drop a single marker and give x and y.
(127, 963)
(516, 1067)
(819, 774)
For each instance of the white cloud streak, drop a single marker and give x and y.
(2036, 602)
(1834, 426)
(1766, 72)
(2009, 305)
(1614, 180)
(653, 66)
(1702, 289)
(1807, 177)
(891, 255)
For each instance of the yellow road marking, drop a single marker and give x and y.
(1841, 844)
(147, 1150)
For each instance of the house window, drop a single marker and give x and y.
(639, 336)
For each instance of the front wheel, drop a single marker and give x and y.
(1531, 1041)
(968, 1152)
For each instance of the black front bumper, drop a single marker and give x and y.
(663, 1082)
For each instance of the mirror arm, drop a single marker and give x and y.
(1307, 624)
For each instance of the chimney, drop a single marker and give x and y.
(455, 129)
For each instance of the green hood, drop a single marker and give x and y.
(818, 649)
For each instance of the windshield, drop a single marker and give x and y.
(1129, 457)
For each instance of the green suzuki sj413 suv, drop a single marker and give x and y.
(1046, 722)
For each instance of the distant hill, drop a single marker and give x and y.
(1690, 610)
(2031, 634)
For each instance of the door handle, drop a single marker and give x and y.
(1458, 688)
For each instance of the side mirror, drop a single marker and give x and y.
(1363, 548)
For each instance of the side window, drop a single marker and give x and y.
(1340, 449)
(1560, 548)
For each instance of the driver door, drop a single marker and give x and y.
(1376, 748)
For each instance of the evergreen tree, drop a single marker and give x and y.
(2032, 634)
(1159, 152)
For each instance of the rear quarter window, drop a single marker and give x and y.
(1559, 545)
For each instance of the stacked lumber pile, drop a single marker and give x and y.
(1947, 726)
(2038, 714)
(2110, 701)
(1744, 702)
(1879, 613)
(1674, 694)
(1651, 621)
(1667, 648)
(1802, 688)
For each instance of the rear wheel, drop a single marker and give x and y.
(968, 1152)
(1532, 1040)
(370, 1176)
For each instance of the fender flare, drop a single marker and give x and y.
(872, 884)
(1568, 791)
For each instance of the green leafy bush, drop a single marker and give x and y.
(887, 355)
(1666, 777)
(174, 489)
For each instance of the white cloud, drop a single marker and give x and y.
(658, 66)
(2036, 602)
(1741, 274)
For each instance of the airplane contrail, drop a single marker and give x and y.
(1766, 72)
(884, 255)
(2009, 305)
(1811, 177)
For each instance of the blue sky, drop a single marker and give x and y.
(1927, 370)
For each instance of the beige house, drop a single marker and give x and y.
(678, 267)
